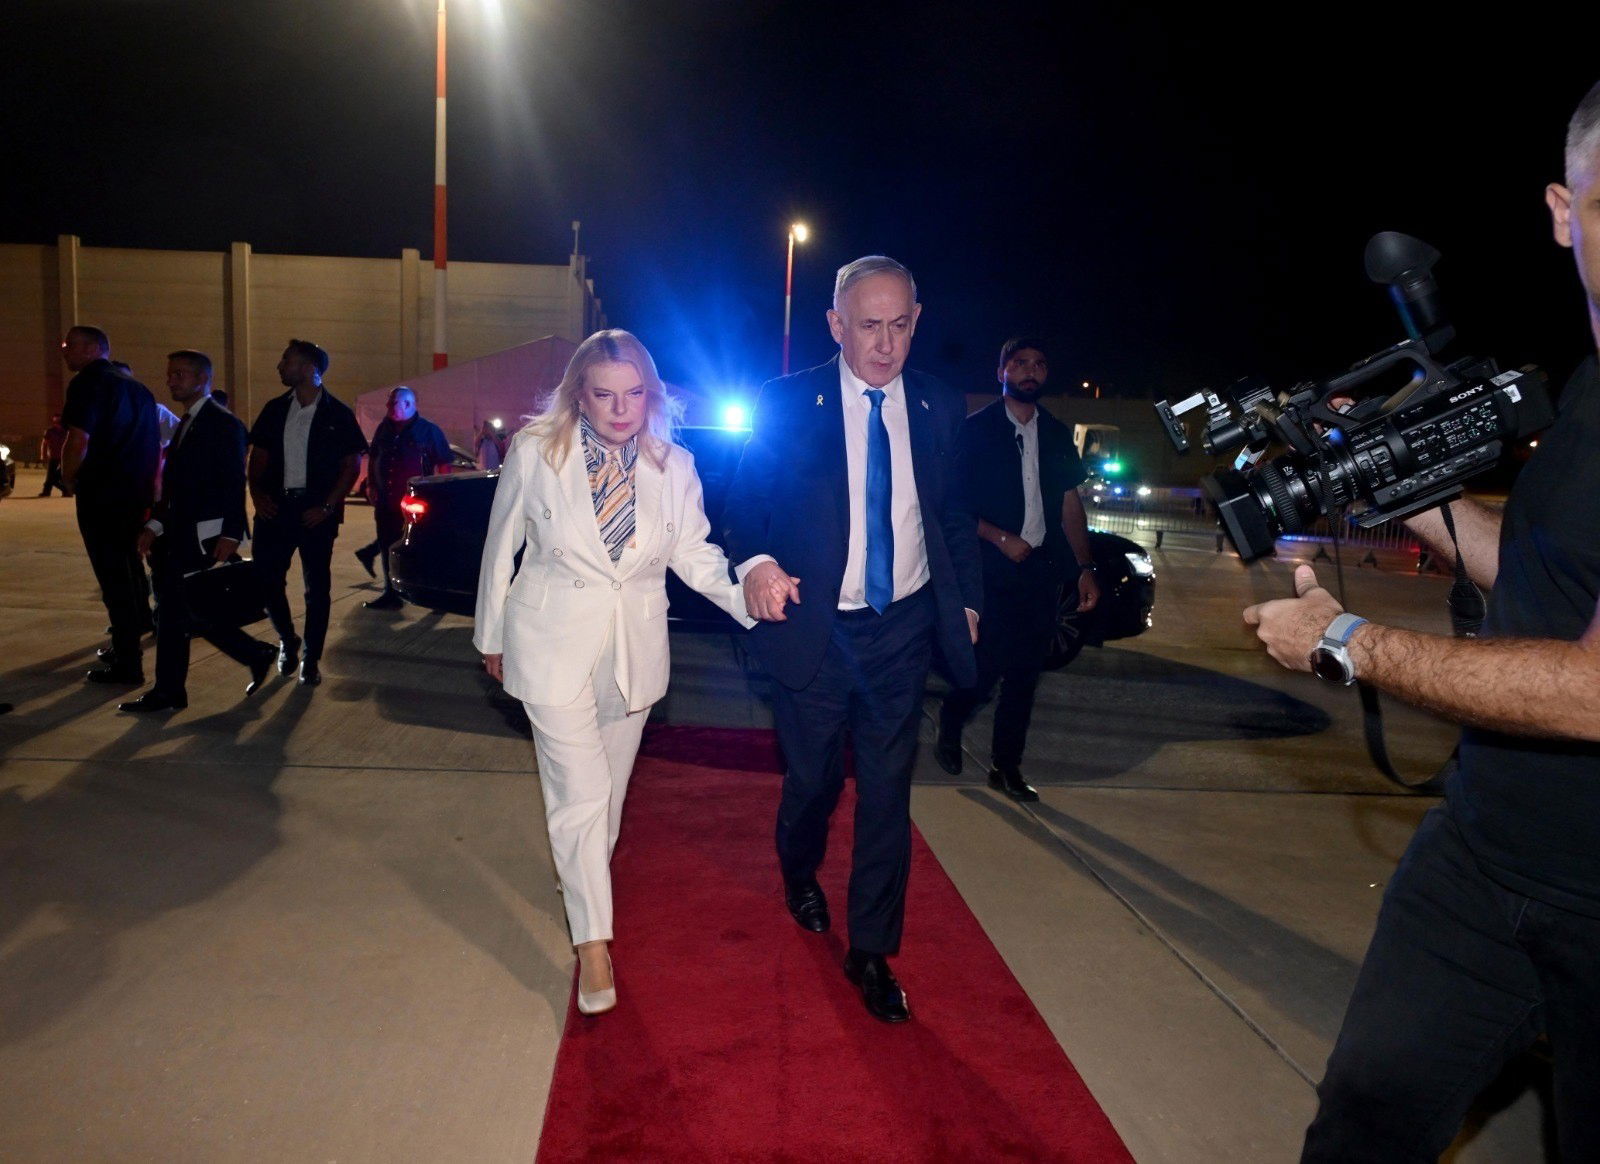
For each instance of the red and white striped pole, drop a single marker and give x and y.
(440, 358)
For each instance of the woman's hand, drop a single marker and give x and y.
(492, 664)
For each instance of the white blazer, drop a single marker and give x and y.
(551, 620)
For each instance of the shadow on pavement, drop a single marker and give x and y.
(115, 844)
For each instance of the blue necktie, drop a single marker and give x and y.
(880, 526)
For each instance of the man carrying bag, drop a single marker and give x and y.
(198, 520)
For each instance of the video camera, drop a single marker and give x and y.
(1389, 454)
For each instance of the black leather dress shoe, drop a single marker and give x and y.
(260, 669)
(807, 905)
(124, 676)
(288, 656)
(367, 555)
(948, 753)
(1007, 778)
(154, 700)
(388, 600)
(109, 654)
(310, 676)
(879, 990)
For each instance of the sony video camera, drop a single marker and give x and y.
(1416, 430)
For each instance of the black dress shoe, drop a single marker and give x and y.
(288, 656)
(366, 555)
(807, 905)
(309, 675)
(126, 676)
(388, 600)
(879, 990)
(948, 753)
(154, 700)
(261, 668)
(109, 654)
(1008, 779)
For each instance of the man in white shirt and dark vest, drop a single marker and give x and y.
(305, 454)
(1020, 473)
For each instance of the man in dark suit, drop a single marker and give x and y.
(1020, 473)
(852, 542)
(109, 462)
(305, 453)
(199, 520)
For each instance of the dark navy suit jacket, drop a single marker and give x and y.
(990, 468)
(202, 483)
(790, 499)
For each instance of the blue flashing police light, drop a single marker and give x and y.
(734, 416)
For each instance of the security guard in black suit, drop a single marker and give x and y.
(1021, 474)
(198, 520)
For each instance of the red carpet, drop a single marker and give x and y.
(737, 1036)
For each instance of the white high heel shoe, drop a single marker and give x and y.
(601, 1000)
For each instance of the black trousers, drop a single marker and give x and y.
(52, 477)
(110, 529)
(277, 541)
(168, 566)
(1461, 977)
(390, 524)
(871, 682)
(1019, 615)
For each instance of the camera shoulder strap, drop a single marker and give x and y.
(1467, 610)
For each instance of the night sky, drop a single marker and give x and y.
(1169, 201)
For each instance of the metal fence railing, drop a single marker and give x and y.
(1154, 513)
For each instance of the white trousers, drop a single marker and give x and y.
(586, 751)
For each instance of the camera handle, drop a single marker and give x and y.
(1467, 609)
(1413, 352)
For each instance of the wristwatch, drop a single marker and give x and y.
(1330, 658)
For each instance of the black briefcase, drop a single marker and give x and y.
(229, 595)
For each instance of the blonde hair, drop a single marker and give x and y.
(554, 427)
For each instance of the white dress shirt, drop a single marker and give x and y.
(905, 511)
(297, 440)
(1033, 526)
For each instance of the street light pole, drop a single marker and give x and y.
(440, 358)
(797, 233)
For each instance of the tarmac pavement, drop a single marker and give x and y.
(321, 924)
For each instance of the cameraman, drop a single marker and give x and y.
(1489, 934)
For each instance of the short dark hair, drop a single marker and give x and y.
(1016, 343)
(199, 361)
(307, 350)
(91, 333)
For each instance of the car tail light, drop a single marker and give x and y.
(414, 508)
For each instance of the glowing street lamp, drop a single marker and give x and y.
(797, 233)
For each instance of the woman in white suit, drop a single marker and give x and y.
(600, 502)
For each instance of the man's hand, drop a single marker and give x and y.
(224, 549)
(767, 587)
(266, 507)
(972, 624)
(1014, 547)
(1291, 627)
(1088, 591)
(315, 516)
(147, 540)
(494, 664)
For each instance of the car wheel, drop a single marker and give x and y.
(1068, 637)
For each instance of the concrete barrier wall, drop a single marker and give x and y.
(374, 316)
